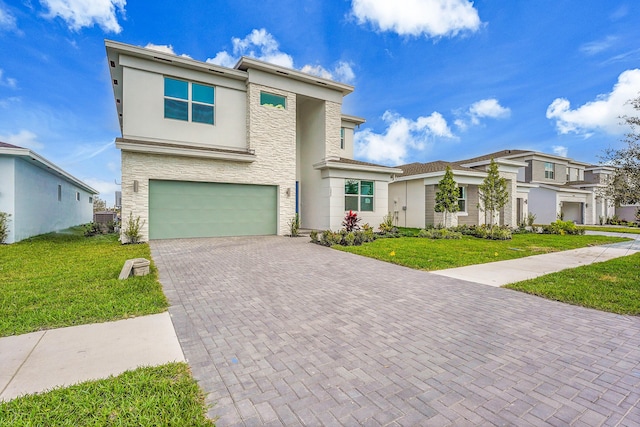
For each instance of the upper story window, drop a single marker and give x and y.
(272, 100)
(358, 195)
(77, 196)
(59, 192)
(188, 101)
(342, 138)
(549, 170)
(462, 199)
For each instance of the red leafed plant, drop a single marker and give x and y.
(351, 221)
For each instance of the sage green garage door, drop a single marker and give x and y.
(208, 209)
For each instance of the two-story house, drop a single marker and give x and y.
(215, 151)
(545, 185)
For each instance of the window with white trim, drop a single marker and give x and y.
(462, 199)
(188, 101)
(358, 195)
(549, 170)
(342, 138)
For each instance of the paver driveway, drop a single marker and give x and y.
(279, 331)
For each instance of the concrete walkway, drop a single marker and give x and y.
(39, 361)
(504, 272)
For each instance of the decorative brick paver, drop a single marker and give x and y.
(279, 331)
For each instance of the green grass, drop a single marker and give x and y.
(615, 229)
(428, 254)
(159, 396)
(612, 286)
(65, 279)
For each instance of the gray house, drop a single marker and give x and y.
(39, 196)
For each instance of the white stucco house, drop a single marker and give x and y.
(545, 185)
(215, 151)
(40, 196)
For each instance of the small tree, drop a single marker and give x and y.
(493, 192)
(99, 205)
(447, 196)
(623, 186)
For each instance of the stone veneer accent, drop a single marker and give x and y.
(333, 123)
(271, 132)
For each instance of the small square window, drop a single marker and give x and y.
(358, 195)
(90, 200)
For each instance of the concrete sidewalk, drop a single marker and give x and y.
(504, 272)
(39, 361)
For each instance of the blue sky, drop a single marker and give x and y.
(435, 79)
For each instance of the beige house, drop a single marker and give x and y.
(545, 185)
(214, 151)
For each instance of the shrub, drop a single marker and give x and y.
(439, 233)
(367, 233)
(351, 221)
(5, 218)
(132, 229)
(348, 239)
(387, 223)
(614, 220)
(562, 227)
(500, 233)
(294, 226)
(531, 219)
(92, 229)
(329, 238)
(314, 236)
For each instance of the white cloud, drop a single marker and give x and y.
(262, 45)
(602, 114)
(24, 139)
(258, 44)
(595, 47)
(401, 135)
(433, 18)
(107, 189)
(490, 108)
(485, 108)
(560, 150)
(164, 48)
(7, 81)
(86, 13)
(7, 20)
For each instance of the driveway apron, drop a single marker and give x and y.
(279, 331)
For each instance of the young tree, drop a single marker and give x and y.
(447, 196)
(493, 192)
(99, 205)
(624, 185)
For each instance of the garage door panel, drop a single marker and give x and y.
(197, 209)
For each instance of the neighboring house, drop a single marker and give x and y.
(39, 196)
(215, 151)
(545, 185)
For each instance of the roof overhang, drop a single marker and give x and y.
(46, 165)
(353, 119)
(564, 189)
(246, 63)
(438, 174)
(330, 163)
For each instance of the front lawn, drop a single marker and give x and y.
(428, 254)
(65, 279)
(159, 396)
(612, 286)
